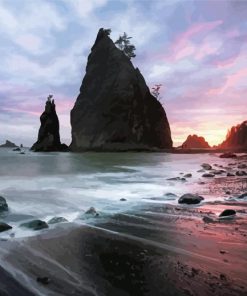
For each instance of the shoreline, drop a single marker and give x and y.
(165, 245)
(159, 247)
(174, 150)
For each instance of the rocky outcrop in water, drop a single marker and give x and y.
(48, 137)
(8, 144)
(115, 110)
(236, 137)
(193, 141)
(3, 204)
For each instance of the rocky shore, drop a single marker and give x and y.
(188, 246)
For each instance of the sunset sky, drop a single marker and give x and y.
(196, 49)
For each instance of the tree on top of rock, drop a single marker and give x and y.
(107, 31)
(156, 91)
(123, 43)
(49, 98)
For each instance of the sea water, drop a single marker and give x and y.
(44, 185)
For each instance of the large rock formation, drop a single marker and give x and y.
(48, 137)
(8, 144)
(115, 110)
(193, 141)
(236, 137)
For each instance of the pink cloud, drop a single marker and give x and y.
(231, 82)
(18, 110)
(184, 40)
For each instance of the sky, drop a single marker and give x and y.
(196, 49)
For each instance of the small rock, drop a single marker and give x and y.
(201, 183)
(242, 166)
(123, 199)
(17, 149)
(207, 219)
(195, 271)
(218, 172)
(4, 227)
(43, 280)
(222, 252)
(92, 211)
(188, 175)
(242, 195)
(3, 204)
(222, 277)
(228, 192)
(201, 171)
(176, 179)
(227, 213)
(241, 173)
(189, 198)
(228, 155)
(230, 175)
(35, 224)
(206, 166)
(207, 175)
(55, 220)
(170, 194)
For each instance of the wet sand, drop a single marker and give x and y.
(158, 250)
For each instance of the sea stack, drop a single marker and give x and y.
(48, 137)
(194, 141)
(115, 110)
(8, 144)
(236, 137)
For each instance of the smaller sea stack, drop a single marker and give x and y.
(48, 137)
(194, 141)
(236, 137)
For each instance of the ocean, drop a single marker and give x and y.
(45, 185)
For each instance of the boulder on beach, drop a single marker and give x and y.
(242, 166)
(189, 199)
(207, 219)
(3, 204)
(227, 213)
(217, 172)
(43, 280)
(230, 175)
(176, 179)
(92, 211)
(228, 155)
(4, 227)
(48, 136)
(207, 175)
(206, 166)
(169, 194)
(8, 144)
(55, 220)
(242, 196)
(115, 110)
(241, 173)
(35, 224)
(188, 175)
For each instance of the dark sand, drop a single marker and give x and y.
(154, 249)
(162, 250)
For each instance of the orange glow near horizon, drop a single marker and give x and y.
(213, 135)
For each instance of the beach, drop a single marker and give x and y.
(147, 246)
